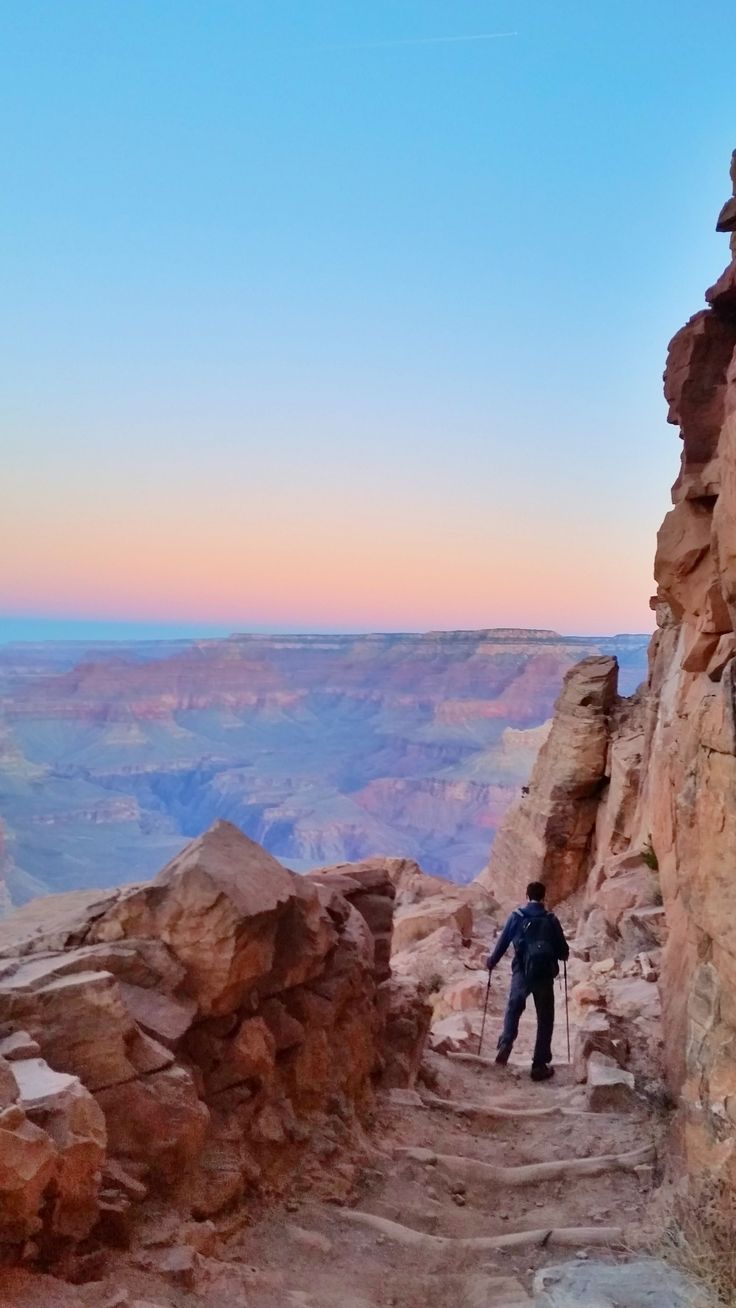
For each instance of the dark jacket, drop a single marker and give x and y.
(512, 934)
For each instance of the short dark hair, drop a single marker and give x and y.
(536, 890)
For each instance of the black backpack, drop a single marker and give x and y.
(537, 948)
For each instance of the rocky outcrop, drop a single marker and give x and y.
(657, 806)
(192, 1035)
(547, 835)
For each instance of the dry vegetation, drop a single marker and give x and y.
(699, 1240)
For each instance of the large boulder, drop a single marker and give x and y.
(369, 887)
(183, 1034)
(407, 1016)
(52, 1146)
(231, 915)
(547, 835)
(421, 920)
(610, 1087)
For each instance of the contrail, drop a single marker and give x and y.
(418, 40)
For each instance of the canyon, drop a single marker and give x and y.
(322, 748)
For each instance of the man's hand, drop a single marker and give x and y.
(490, 966)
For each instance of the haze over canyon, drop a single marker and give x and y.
(322, 748)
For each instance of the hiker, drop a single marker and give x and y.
(539, 947)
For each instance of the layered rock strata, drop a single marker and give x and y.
(195, 1035)
(659, 868)
(547, 834)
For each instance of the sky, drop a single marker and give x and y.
(347, 316)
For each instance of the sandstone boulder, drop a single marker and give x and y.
(185, 1035)
(600, 1033)
(633, 997)
(222, 907)
(628, 884)
(369, 887)
(78, 1019)
(68, 1114)
(454, 1034)
(52, 1146)
(461, 996)
(158, 1119)
(547, 835)
(28, 1164)
(18, 1044)
(406, 1019)
(420, 920)
(610, 1088)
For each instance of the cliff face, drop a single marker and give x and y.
(659, 867)
(688, 793)
(547, 834)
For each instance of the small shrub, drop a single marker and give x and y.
(699, 1240)
(435, 983)
(649, 856)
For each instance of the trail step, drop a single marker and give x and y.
(470, 1169)
(569, 1236)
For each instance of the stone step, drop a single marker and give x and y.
(640, 1283)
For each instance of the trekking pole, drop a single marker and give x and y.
(485, 1010)
(567, 1014)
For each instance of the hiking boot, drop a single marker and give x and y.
(542, 1073)
(502, 1057)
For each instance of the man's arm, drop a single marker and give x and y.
(561, 946)
(502, 944)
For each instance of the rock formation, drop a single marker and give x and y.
(193, 1036)
(546, 836)
(653, 822)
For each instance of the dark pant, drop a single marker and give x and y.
(543, 995)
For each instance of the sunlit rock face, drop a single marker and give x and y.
(547, 835)
(201, 1036)
(659, 874)
(688, 803)
(322, 748)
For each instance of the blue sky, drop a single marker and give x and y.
(310, 320)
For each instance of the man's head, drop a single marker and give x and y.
(536, 891)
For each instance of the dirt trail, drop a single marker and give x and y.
(376, 1254)
(456, 1198)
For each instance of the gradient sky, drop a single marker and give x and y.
(310, 320)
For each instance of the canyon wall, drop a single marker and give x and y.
(321, 748)
(688, 799)
(646, 786)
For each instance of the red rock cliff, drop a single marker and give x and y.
(656, 852)
(687, 806)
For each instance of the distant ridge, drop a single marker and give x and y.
(324, 748)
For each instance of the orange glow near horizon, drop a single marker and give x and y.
(316, 568)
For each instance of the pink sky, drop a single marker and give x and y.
(382, 565)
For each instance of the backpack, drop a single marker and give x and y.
(537, 948)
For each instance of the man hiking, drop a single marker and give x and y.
(539, 947)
